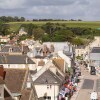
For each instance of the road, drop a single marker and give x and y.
(91, 83)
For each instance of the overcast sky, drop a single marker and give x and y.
(55, 9)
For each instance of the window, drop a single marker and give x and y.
(49, 86)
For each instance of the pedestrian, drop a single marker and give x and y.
(94, 96)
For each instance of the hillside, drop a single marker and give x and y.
(87, 24)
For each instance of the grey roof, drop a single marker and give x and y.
(15, 59)
(48, 77)
(25, 49)
(96, 50)
(14, 49)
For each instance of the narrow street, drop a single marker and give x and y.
(90, 83)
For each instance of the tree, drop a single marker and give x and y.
(38, 33)
(78, 41)
(16, 18)
(22, 19)
(4, 29)
(50, 28)
(65, 35)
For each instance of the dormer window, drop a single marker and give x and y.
(10, 49)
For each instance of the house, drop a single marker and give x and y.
(67, 59)
(48, 85)
(4, 39)
(22, 32)
(5, 93)
(47, 80)
(17, 82)
(14, 49)
(17, 61)
(95, 42)
(79, 50)
(58, 46)
(9, 49)
(94, 57)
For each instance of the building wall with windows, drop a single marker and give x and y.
(95, 59)
(47, 90)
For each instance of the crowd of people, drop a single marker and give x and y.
(70, 85)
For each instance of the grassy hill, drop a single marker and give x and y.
(88, 24)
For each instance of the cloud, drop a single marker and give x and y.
(63, 9)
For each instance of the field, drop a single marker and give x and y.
(88, 24)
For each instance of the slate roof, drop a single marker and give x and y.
(96, 50)
(14, 79)
(47, 77)
(25, 49)
(14, 48)
(15, 59)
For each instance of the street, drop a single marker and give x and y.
(90, 83)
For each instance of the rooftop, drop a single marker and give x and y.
(14, 79)
(14, 49)
(47, 77)
(95, 50)
(15, 59)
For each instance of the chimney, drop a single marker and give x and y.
(2, 72)
(4, 75)
(26, 60)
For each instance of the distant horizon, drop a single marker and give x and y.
(52, 19)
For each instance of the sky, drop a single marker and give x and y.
(52, 9)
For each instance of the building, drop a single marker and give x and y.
(17, 61)
(94, 57)
(4, 39)
(5, 93)
(48, 85)
(67, 59)
(47, 80)
(59, 46)
(22, 32)
(96, 42)
(17, 82)
(14, 49)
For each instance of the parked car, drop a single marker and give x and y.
(92, 70)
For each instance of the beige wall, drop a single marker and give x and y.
(42, 89)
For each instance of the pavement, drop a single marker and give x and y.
(88, 83)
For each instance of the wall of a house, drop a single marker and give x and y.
(95, 58)
(79, 52)
(31, 66)
(47, 90)
(66, 58)
(96, 42)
